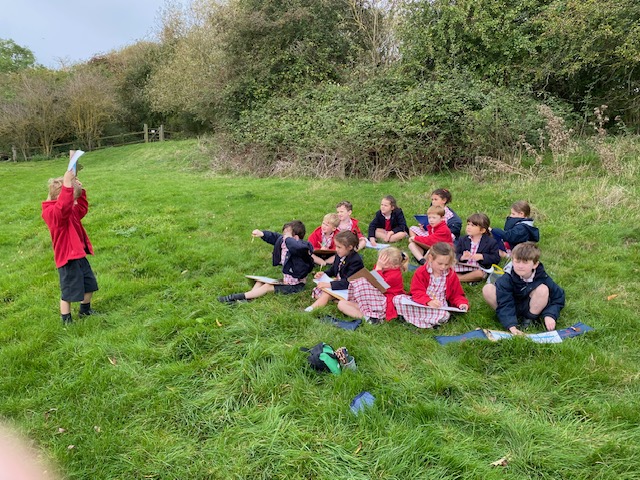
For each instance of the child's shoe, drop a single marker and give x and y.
(86, 310)
(309, 309)
(234, 297)
(372, 320)
(66, 319)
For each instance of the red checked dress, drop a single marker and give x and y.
(371, 301)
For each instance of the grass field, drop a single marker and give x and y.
(167, 383)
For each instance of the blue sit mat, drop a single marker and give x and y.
(555, 336)
(336, 322)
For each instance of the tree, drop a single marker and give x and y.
(14, 58)
(91, 103)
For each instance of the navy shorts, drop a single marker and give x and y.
(76, 279)
(288, 289)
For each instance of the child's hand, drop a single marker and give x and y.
(68, 178)
(257, 233)
(324, 285)
(466, 255)
(373, 242)
(464, 307)
(318, 274)
(515, 331)
(434, 304)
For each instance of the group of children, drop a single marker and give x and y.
(525, 292)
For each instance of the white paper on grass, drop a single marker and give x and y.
(408, 301)
(74, 160)
(379, 246)
(544, 337)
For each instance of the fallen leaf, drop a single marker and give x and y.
(61, 430)
(112, 360)
(71, 447)
(218, 322)
(97, 429)
(184, 272)
(48, 413)
(503, 462)
(358, 449)
(611, 297)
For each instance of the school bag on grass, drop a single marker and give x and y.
(323, 358)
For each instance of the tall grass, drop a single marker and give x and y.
(167, 383)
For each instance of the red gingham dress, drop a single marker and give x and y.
(469, 265)
(426, 317)
(371, 302)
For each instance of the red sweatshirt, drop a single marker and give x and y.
(393, 277)
(453, 289)
(316, 239)
(439, 233)
(69, 238)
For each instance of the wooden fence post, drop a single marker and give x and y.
(162, 133)
(146, 133)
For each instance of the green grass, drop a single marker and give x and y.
(204, 390)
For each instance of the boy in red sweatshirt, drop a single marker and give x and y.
(437, 231)
(63, 211)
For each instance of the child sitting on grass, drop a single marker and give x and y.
(526, 293)
(434, 285)
(437, 231)
(322, 238)
(389, 224)
(290, 251)
(366, 301)
(441, 197)
(344, 210)
(63, 212)
(518, 228)
(348, 261)
(476, 250)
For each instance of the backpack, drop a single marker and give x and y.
(322, 358)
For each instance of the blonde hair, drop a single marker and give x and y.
(55, 187)
(395, 257)
(442, 249)
(332, 219)
(438, 210)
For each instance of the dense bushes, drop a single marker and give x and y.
(384, 126)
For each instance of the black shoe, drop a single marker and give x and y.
(526, 323)
(86, 313)
(67, 319)
(372, 320)
(232, 298)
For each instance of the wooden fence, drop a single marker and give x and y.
(148, 134)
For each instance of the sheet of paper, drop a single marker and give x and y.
(339, 294)
(379, 246)
(408, 301)
(269, 280)
(323, 278)
(74, 160)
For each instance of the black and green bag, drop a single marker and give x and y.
(323, 359)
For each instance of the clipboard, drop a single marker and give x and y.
(269, 280)
(408, 301)
(422, 219)
(323, 251)
(337, 294)
(373, 277)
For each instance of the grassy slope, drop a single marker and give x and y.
(203, 390)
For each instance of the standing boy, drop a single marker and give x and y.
(63, 212)
(526, 293)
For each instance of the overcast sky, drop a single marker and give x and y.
(76, 30)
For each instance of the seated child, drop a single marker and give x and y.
(322, 238)
(477, 249)
(389, 224)
(526, 293)
(347, 223)
(437, 231)
(290, 251)
(518, 228)
(347, 263)
(63, 212)
(366, 301)
(441, 197)
(436, 285)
